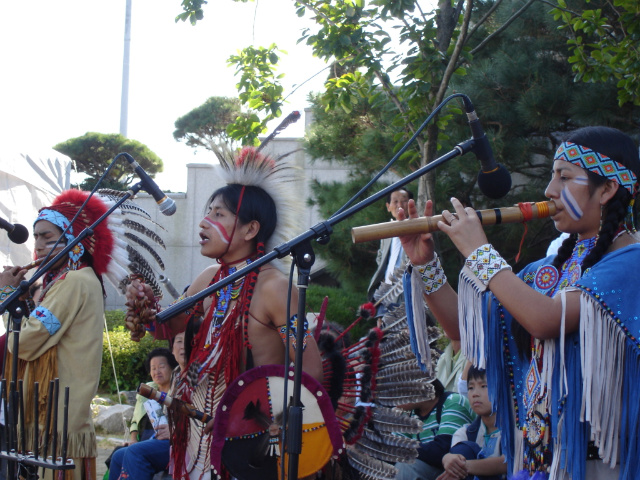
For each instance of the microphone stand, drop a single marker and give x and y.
(300, 248)
(13, 304)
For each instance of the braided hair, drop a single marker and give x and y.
(619, 147)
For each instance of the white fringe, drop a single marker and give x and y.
(555, 473)
(470, 317)
(602, 359)
(420, 319)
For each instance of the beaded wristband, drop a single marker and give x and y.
(6, 291)
(432, 275)
(485, 262)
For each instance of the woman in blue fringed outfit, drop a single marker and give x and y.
(559, 341)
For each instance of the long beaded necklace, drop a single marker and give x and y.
(224, 297)
(537, 422)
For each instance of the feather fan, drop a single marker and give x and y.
(369, 466)
(386, 453)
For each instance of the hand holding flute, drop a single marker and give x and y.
(429, 224)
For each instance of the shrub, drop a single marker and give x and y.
(128, 356)
(342, 307)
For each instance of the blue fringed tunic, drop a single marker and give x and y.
(599, 399)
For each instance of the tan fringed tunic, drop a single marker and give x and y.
(63, 338)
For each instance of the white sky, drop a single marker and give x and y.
(62, 70)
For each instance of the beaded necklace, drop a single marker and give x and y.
(225, 296)
(536, 426)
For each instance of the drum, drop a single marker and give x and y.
(248, 426)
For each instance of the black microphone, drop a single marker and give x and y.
(166, 204)
(17, 233)
(494, 179)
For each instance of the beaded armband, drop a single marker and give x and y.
(6, 291)
(293, 329)
(432, 274)
(485, 262)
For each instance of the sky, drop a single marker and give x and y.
(62, 70)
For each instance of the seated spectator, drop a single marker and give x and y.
(451, 368)
(441, 416)
(475, 452)
(148, 451)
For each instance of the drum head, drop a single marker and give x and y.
(247, 428)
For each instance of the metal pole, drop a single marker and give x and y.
(124, 101)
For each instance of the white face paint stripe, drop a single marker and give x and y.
(221, 231)
(573, 209)
(581, 181)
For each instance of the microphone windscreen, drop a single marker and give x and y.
(19, 234)
(495, 184)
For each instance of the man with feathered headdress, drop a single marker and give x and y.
(242, 325)
(62, 336)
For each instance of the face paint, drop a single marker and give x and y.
(569, 201)
(220, 229)
(581, 181)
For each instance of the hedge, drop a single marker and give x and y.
(128, 356)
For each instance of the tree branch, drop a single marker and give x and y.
(503, 27)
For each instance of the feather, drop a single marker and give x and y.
(398, 368)
(397, 355)
(393, 440)
(146, 246)
(138, 227)
(357, 424)
(401, 398)
(139, 266)
(370, 466)
(113, 196)
(421, 385)
(291, 118)
(387, 420)
(407, 377)
(386, 293)
(386, 453)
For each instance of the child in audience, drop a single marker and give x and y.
(475, 452)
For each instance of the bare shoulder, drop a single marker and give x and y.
(272, 282)
(203, 280)
(271, 294)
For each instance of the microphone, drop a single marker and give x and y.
(167, 205)
(494, 179)
(17, 233)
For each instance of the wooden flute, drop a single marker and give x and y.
(39, 261)
(495, 216)
(34, 264)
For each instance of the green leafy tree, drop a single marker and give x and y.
(206, 126)
(93, 152)
(522, 88)
(429, 52)
(604, 42)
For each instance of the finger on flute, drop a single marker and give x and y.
(421, 225)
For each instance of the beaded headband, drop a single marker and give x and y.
(597, 163)
(63, 223)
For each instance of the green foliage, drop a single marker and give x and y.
(342, 307)
(93, 152)
(128, 356)
(206, 125)
(604, 43)
(355, 35)
(352, 265)
(259, 88)
(523, 91)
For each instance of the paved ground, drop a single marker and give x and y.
(105, 447)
